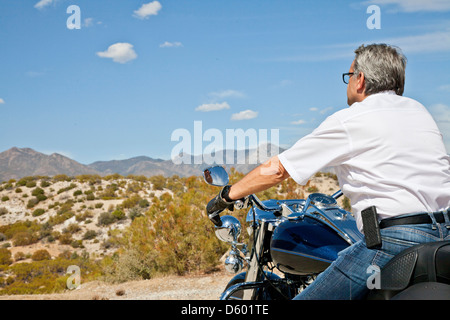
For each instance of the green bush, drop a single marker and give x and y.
(45, 184)
(118, 214)
(3, 211)
(31, 184)
(40, 255)
(89, 235)
(38, 212)
(37, 191)
(5, 257)
(106, 218)
(25, 238)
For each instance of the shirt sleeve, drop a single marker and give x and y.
(327, 146)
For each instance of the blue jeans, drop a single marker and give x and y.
(346, 278)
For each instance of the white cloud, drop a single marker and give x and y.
(168, 44)
(43, 3)
(298, 122)
(227, 94)
(445, 87)
(120, 52)
(414, 5)
(244, 115)
(148, 9)
(438, 41)
(89, 22)
(430, 42)
(2, 101)
(212, 107)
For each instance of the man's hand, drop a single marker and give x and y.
(218, 204)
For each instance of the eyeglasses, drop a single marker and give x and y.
(346, 77)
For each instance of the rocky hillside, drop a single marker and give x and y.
(83, 212)
(47, 222)
(16, 163)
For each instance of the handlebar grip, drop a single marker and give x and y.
(215, 218)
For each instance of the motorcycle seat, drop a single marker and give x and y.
(426, 262)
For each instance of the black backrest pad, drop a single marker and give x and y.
(420, 263)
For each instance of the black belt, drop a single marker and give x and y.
(420, 218)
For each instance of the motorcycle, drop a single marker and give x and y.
(292, 241)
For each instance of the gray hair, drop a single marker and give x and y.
(383, 67)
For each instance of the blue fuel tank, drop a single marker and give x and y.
(309, 240)
(305, 246)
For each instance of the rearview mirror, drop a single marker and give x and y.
(216, 176)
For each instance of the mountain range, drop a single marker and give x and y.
(16, 163)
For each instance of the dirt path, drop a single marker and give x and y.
(201, 287)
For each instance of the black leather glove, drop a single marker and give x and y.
(218, 204)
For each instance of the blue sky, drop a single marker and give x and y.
(136, 71)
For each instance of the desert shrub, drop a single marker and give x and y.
(30, 184)
(90, 178)
(158, 182)
(45, 184)
(61, 177)
(134, 213)
(131, 202)
(312, 189)
(173, 237)
(19, 256)
(89, 235)
(23, 226)
(41, 197)
(118, 214)
(72, 228)
(32, 202)
(5, 257)
(65, 207)
(3, 211)
(346, 205)
(38, 212)
(98, 205)
(40, 255)
(37, 191)
(90, 196)
(23, 181)
(5, 198)
(47, 276)
(109, 192)
(25, 238)
(65, 238)
(143, 203)
(70, 187)
(18, 190)
(106, 218)
(77, 193)
(60, 218)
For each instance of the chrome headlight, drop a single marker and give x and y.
(234, 262)
(230, 230)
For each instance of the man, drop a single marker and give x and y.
(387, 152)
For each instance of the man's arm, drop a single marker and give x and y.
(259, 179)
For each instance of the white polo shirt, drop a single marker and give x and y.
(387, 152)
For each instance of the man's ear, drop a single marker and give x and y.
(361, 83)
